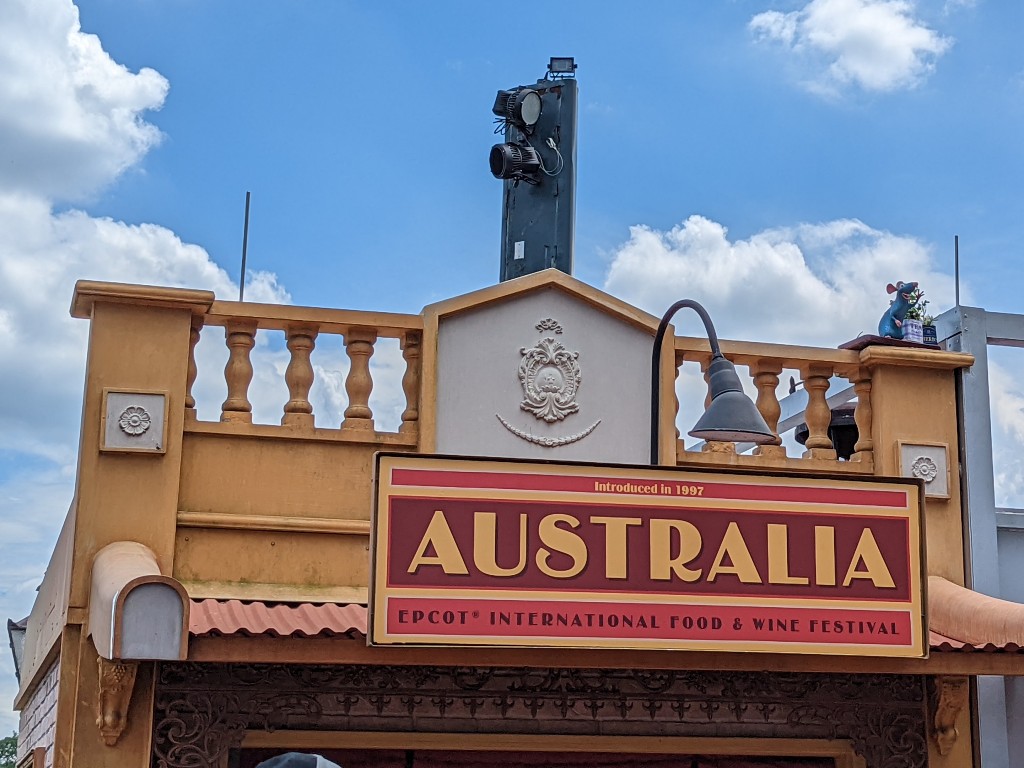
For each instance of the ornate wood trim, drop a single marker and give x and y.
(114, 694)
(840, 750)
(948, 697)
(204, 710)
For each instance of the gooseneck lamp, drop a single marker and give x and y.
(731, 416)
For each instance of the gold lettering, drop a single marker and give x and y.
(446, 552)
(825, 555)
(562, 541)
(616, 547)
(778, 556)
(485, 545)
(735, 548)
(663, 563)
(867, 552)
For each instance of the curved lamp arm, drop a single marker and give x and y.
(733, 417)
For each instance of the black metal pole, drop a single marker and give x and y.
(659, 339)
(956, 268)
(245, 246)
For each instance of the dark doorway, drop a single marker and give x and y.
(424, 758)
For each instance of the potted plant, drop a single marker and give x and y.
(918, 325)
(931, 336)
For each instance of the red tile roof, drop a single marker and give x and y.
(942, 643)
(969, 620)
(233, 617)
(251, 618)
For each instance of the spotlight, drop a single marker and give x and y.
(521, 107)
(562, 66)
(514, 161)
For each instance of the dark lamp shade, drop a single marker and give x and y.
(731, 416)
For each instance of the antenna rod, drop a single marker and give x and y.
(245, 247)
(956, 267)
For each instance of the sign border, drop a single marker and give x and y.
(918, 584)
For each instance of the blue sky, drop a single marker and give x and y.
(362, 130)
(779, 161)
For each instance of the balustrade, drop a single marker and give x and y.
(302, 328)
(817, 367)
(360, 331)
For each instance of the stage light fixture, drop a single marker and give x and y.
(521, 107)
(562, 66)
(514, 161)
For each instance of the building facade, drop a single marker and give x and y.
(206, 603)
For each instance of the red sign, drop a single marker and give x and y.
(485, 552)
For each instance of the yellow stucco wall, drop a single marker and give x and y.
(241, 510)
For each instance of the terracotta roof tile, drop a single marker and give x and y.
(234, 617)
(969, 620)
(942, 643)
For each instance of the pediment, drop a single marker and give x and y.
(542, 367)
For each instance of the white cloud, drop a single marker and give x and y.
(70, 117)
(953, 6)
(809, 284)
(874, 45)
(42, 352)
(70, 123)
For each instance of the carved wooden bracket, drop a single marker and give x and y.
(114, 694)
(949, 696)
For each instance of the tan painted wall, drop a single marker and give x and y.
(277, 512)
(918, 405)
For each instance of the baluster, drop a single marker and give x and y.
(818, 415)
(865, 446)
(704, 365)
(359, 346)
(298, 411)
(680, 357)
(766, 378)
(192, 370)
(240, 336)
(411, 382)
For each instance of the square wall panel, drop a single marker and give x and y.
(134, 421)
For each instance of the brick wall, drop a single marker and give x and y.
(39, 717)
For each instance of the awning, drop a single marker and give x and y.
(947, 644)
(213, 618)
(220, 618)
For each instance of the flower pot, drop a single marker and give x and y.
(913, 330)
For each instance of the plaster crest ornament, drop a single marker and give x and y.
(551, 378)
(134, 420)
(925, 468)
